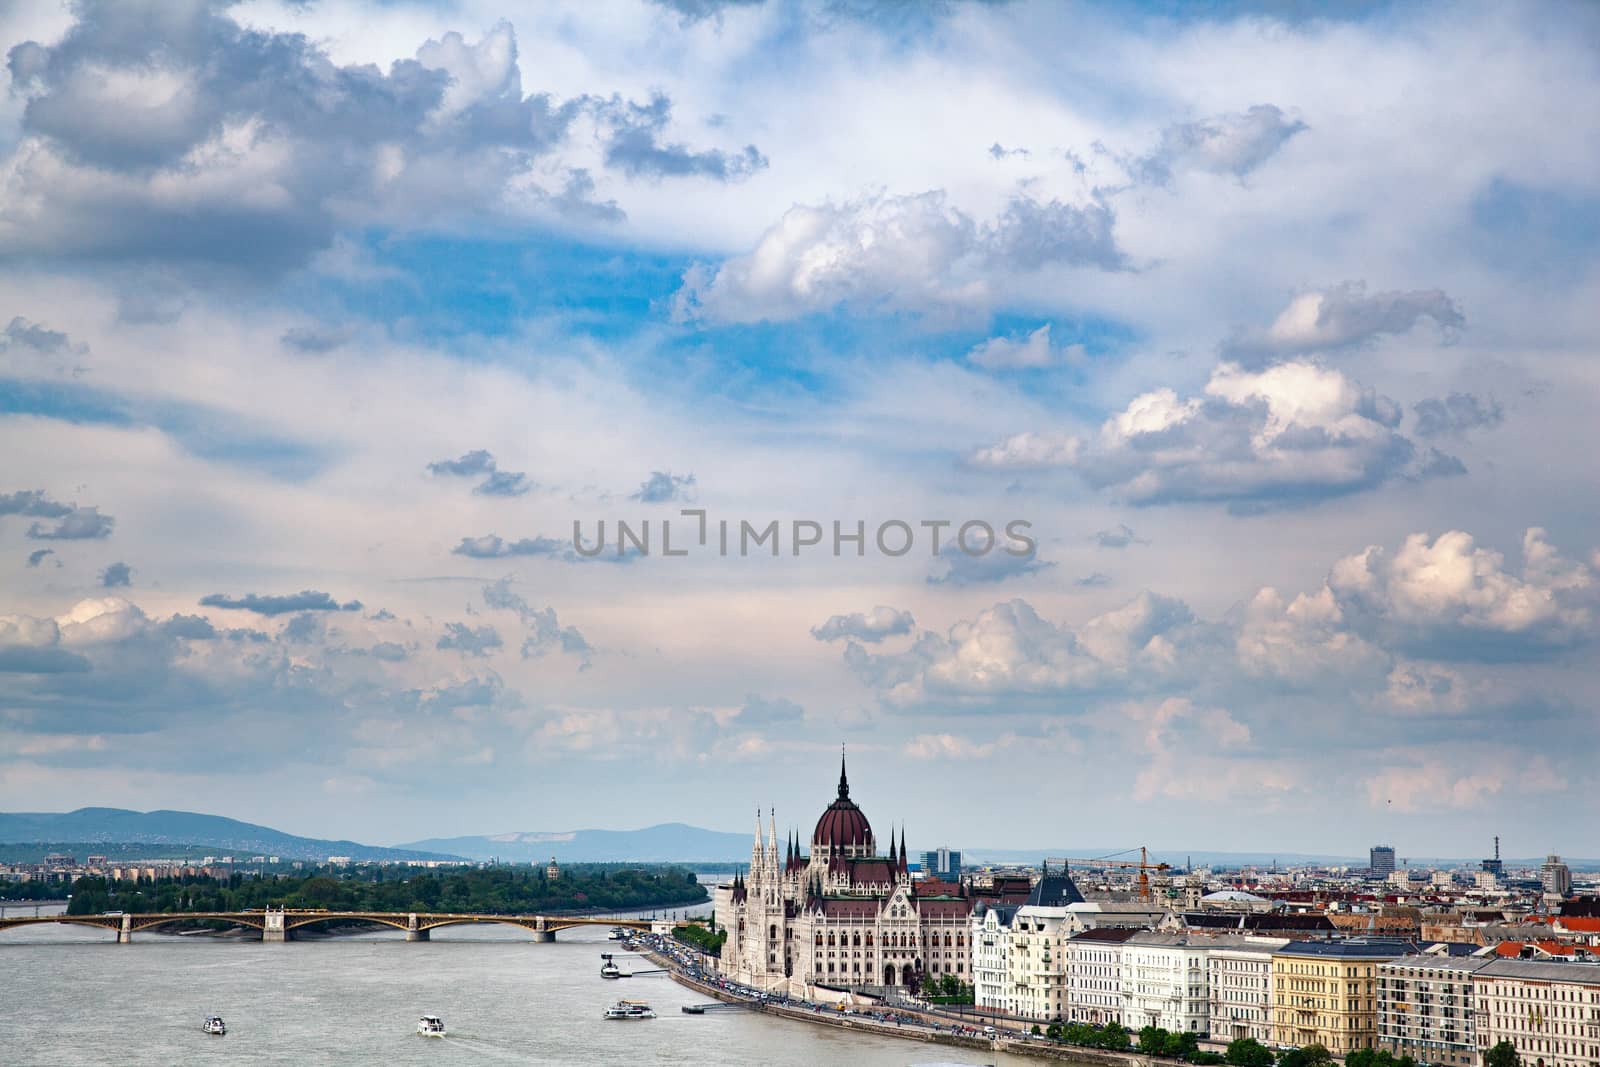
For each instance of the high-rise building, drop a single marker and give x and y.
(1555, 876)
(1494, 866)
(1382, 861)
(943, 863)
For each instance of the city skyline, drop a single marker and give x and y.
(330, 325)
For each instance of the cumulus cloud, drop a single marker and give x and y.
(663, 487)
(1033, 352)
(31, 645)
(80, 524)
(1344, 316)
(1119, 536)
(870, 626)
(1455, 415)
(34, 503)
(305, 600)
(759, 714)
(37, 556)
(1008, 650)
(22, 334)
(470, 640)
(633, 144)
(1432, 785)
(1449, 597)
(116, 574)
(481, 463)
(955, 567)
(544, 630)
(1293, 434)
(171, 133)
(1233, 144)
(895, 253)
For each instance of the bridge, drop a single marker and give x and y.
(279, 924)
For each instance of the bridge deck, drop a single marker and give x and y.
(295, 918)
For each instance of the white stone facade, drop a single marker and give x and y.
(1164, 984)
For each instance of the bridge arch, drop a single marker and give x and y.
(111, 923)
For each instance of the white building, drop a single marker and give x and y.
(989, 935)
(1036, 954)
(1094, 975)
(1546, 1010)
(1164, 983)
(1239, 984)
(1096, 915)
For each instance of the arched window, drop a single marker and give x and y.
(869, 938)
(772, 932)
(830, 938)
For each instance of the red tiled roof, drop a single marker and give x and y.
(1512, 949)
(1578, 924)
(943, 908)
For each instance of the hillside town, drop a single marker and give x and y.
(1438, 965)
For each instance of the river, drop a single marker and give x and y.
(70, 995)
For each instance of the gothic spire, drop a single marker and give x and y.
(905, 858)
(844, 781)
(894, 857)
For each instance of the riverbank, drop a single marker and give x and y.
(927, 1033)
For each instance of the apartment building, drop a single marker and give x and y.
(1163, 980)
(1094, 975)
(1239, 986)
(1425, 1008)
(1326, 992)
(990, 934)
(1550, 1011)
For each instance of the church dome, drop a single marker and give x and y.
(843, 825)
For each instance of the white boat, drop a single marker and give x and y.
(617, 934)
(609, 969)
(214, 1025)
(630, 1009)
(430, 1026)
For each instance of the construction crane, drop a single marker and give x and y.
(1143, 866)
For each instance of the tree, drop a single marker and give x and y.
(1036, 1031)
(1248, 1052)
(1054, 1031)
(1115, 1037)
(929, 987)
(1309, 1056)
(1153, 1040)
(1183, 1045)
(1503, 1055)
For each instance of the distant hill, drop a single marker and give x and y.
(186, 828)
(671, 842)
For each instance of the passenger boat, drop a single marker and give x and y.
(617, 934)
(214, 1025)
(430, 1026)
(630, 1009)
(609, 969)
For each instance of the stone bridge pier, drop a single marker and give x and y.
(125, 931)
(416, 933)
(273, 928)
(540, 933)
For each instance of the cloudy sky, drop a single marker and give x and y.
(325, 321)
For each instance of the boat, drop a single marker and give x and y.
(430, 1026)
(609, 969)
(694, 1009)
(617, 934)
(214, 1025)
(630, 1009)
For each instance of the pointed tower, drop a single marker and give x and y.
(905, 858)
(757, 853)
(894, 856)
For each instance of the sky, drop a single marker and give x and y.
(328, 325)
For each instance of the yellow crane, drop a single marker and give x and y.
(1142, 865)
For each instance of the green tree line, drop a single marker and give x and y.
(486, 891)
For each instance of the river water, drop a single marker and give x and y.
(70, 995)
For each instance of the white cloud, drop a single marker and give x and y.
(1345, 316)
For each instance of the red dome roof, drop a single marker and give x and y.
(843, 824)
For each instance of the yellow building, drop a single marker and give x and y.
(1326, 992)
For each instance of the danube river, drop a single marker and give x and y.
(69, 995)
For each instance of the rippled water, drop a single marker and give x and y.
(70, 995)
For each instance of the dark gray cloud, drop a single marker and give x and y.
(1340, 317)
(37, 556)
(1232, 144)
(1456, 414)
(34, 503)
(478, 461)
(1029, 235)
(116, 574)
(305, 600)
(304, 628)
(634, 145)
(1119, 536)
(189, 627)
(470, 640)
(1092, 581)
(663, 487)
(80, 524)
(871, 626)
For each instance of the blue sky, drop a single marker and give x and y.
(326, 322)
